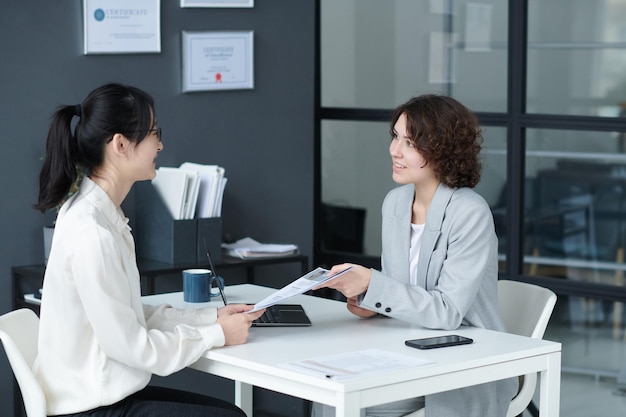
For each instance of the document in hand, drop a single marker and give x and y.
(300, 286)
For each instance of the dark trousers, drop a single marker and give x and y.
(165, 402)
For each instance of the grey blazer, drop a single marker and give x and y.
(457, 274)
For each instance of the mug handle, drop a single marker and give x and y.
(220, 284)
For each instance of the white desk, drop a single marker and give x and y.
(492, 356)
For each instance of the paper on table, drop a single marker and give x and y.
(353, 364)
(301, 285)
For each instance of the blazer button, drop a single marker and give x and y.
(378, 305)
(388, 310)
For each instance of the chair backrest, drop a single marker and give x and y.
(526, 309)
(19, 332)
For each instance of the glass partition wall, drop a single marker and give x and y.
(547, 79)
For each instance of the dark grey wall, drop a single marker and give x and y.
(263, 137)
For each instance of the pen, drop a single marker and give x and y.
(219, 287)
(222, 294)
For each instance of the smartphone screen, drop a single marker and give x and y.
(438, 341)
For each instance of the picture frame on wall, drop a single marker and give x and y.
(116, 27)
(217, 60)
(216, 3)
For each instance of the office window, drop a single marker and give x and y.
(592, 333)
(577, 57)
(576, 227)
(378, 54)
(493, 183)
(356, 175)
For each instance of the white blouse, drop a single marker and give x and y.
(97, 342)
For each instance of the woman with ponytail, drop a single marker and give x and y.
(98, 344)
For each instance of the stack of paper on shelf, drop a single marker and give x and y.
(250, 248)
(211, 191)
(177, 189)
(193, 190)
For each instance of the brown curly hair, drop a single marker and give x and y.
(447, 135)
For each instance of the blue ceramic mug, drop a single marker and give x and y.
(197, 284)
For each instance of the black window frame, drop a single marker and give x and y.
(515, 120)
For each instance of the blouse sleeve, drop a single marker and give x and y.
(165, 317)
(112, 303)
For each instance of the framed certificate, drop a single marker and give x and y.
(216, 3)
(121, 27)
(217, 61)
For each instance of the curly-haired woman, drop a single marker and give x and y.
(439, 247)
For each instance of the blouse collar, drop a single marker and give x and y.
(101, 200)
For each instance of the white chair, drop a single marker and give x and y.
(525, 309)
(19, 332)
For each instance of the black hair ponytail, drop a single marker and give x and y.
(58, 172)
(107, 110)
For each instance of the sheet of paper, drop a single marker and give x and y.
(215, 188)
(299, 286)
(357, 363)
(179, 190)
(210, 189)
(191, 198)
(250, 248)
(171, 184)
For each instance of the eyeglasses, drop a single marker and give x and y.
(158, 132)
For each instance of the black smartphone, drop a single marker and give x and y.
(438, 341)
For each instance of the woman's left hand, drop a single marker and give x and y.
(235, 324)
(233, 309)
(354, 308)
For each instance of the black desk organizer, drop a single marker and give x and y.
(161, 238)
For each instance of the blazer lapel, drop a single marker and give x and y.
(432, 232)
(401, 233)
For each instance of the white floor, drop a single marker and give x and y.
(586, 396)
(592, 359)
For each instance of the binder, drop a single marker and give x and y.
(161, 238)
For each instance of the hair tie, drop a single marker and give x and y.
(77, 110)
